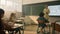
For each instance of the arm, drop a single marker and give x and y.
(6, 26)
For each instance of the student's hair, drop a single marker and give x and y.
(41, 14)
(12, 14)
(1, 11)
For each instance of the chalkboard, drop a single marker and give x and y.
(33, 9)
(26, 10)
(36, 9)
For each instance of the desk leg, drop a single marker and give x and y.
(19, 32)
(23, 32)
(53, 30)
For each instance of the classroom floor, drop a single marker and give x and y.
(32, 29)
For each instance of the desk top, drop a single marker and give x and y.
(17, 25)
(58, 23)
(18, 20)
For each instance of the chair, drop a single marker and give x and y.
(14, 31)
(38, 30)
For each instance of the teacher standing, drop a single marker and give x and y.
(46, 12)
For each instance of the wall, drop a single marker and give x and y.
(33, 19)
(53, 19)
(35, 1)
(10, 6)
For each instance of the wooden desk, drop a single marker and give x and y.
(56, 26)
(17, 27)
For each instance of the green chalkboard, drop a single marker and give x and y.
(36, 9)
(33, 9)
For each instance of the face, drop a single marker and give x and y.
(46, 6)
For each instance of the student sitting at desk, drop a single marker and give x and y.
(1, 22)
(12, 19)
(41, 21)
(3, 25)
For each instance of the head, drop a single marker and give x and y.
(41, 14)
(1, 13)
(12, 14)
(46, 6)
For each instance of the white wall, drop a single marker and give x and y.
(10, 6)
(35, 1)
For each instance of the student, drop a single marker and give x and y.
(41, 21)
(1, 22)
(3, 25)
(12, 22)
(12, 17)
